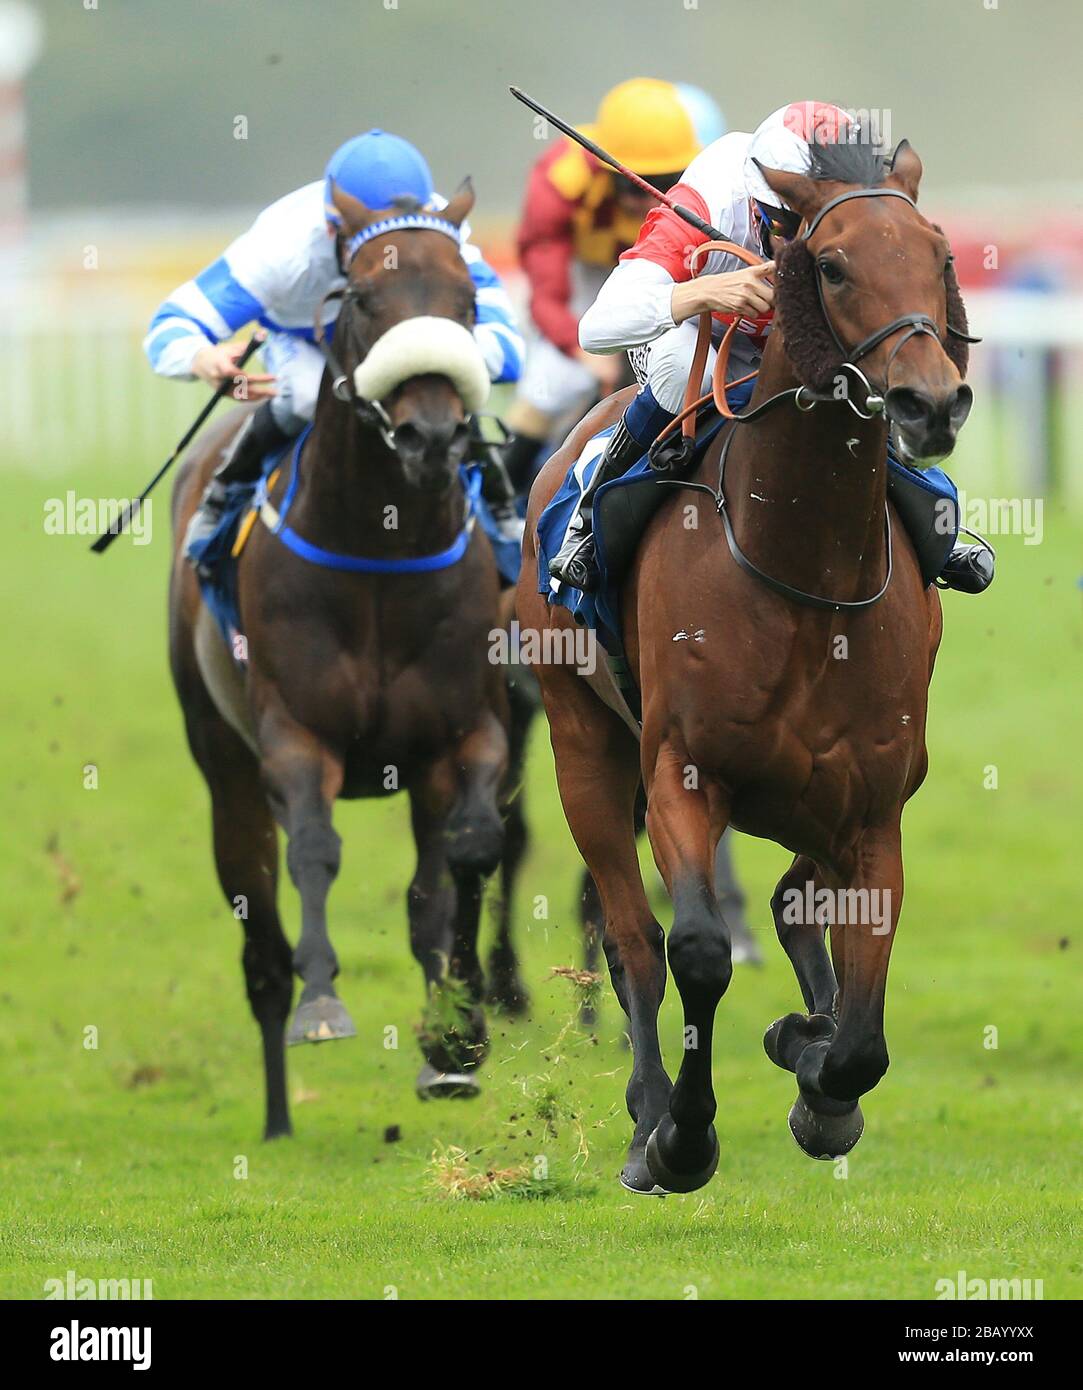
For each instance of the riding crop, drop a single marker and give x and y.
(693, 219)
(131, 510)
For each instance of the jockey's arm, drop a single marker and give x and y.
(652, 289)
(185, 337)
(495, 329)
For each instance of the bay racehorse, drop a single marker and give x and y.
(366, 675)
(798, 714)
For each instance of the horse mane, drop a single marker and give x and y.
(958, 351)
(848, 161)
(813, 352)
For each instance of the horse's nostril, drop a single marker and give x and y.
(419, 439)
(410, 442)
(959, 407)
(909, 408)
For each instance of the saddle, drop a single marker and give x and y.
(926, 503)
(217, 557)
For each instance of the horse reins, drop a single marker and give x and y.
(874, 402)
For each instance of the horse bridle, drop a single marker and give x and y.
(371, 414)
(911, 325)
(914, 324)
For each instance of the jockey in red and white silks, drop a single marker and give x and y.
(650, 304)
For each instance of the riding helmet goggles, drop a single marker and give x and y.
(780, 222)
(783, 141)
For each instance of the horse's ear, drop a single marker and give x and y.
(905, 169)
(355, 215)
(797, 191)
(462, 200)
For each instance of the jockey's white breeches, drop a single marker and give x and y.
(298, 366)
(665, 363)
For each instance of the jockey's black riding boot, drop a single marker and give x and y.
(241, 463)
(575, 563)
(969, 568)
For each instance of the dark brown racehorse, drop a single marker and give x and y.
(794, 720)
(359, 684)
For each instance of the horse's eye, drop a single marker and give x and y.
(830, 271)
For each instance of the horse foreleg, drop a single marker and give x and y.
(506, 988)
(592, 925)
(246, 857)
(303, 778)
(850, 1057)
(801, 936)
(683, 827)
(598, 776)
(460, 840)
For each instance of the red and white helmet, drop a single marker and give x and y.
(782, 142)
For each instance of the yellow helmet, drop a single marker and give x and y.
(645, 125)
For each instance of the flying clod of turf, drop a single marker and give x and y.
(453, 1176)
(588, 984)
(446, 1023)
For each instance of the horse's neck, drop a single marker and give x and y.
(353, 499)
(806, 490)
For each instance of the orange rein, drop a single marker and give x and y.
(687, 417)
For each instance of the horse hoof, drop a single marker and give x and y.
(320, 1020)
(670, 1179)
(508, 997)
(446, 1085)
(788, 1036)
(636, 1177)
(825, 1136)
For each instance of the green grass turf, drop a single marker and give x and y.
(121, 1161)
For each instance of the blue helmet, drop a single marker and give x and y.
(706, 114)
(377, 168)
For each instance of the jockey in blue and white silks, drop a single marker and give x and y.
(277, 273)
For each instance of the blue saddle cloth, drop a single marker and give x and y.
(508, 552)
(218, 566)
(927, 503)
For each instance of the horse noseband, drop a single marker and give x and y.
(913, 324)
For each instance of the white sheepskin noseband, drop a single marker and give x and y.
(420, 345)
